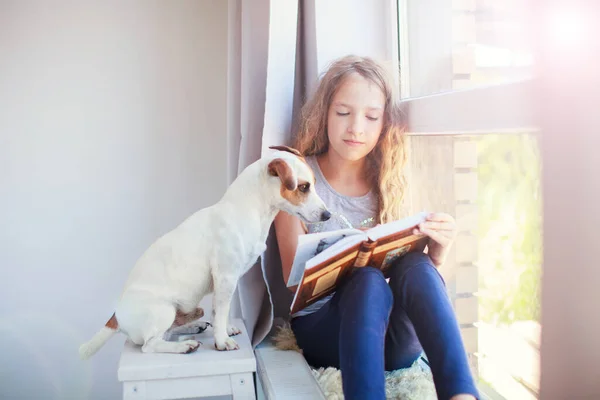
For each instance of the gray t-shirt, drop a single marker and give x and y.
(346, 212)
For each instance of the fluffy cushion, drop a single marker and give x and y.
(414, 383)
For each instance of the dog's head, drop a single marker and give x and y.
(293, 180)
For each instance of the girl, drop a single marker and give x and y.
(351, 135)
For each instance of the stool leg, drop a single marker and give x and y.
(242, 386)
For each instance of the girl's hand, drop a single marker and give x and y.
(441, 229)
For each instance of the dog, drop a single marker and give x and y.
(208, 253)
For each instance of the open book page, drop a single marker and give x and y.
(338, 247)
(317, 273)
(384, 230)
(312, 244)
(323, 271)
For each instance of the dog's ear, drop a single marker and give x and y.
(288, 149)
(278, 167)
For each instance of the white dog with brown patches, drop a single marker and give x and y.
(207, 253)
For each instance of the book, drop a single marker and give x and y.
(324, 259)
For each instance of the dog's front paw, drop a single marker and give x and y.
(232, 330)
(227, 344)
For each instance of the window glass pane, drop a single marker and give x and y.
(491, 184)
(464, 44)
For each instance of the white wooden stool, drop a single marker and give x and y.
(204, 373)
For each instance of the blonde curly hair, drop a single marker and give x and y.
(385, 163)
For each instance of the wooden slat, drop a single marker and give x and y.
(463, 28)
(467, 279)
(465, 154)
(463, 61)
(465, 186)
(431, 174)
(466, 218)
(466, 249)
(467, 310)
(431, 178)
(469, 336)
(463, 5)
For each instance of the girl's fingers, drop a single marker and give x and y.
(440, 217)
(439, 226)
(436, 236)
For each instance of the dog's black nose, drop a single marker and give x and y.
(325, 216)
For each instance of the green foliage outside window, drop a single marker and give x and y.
(509, 214)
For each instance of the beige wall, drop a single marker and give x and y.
(112, 130)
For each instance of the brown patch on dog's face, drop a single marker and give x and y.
(294, 152)
(298, 195)
(278, 167)
(295, 190)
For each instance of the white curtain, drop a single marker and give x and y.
(278, 48)
(261, 102)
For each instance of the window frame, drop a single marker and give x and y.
(504, 108)
(499, 108)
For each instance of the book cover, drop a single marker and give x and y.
(324, 259)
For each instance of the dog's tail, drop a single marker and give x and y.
(90, 348)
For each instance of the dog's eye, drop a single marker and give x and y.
(304, 187)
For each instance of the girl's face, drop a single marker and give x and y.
(355, 118)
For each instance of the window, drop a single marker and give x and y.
(463, 44)
(465, 80)
(491, 183)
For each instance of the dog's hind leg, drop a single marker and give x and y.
(190, 329)
(187, 323)
(152, 320)
(188, 314)
(182, 318)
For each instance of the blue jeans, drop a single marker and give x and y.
(369, 326)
